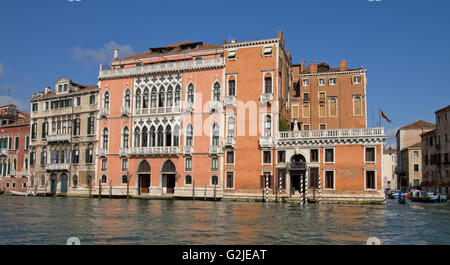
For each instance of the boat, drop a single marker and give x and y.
(404, 200)
(395, 194)
(20, 193)
(429, 197)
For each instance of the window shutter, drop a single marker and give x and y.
(89, 125)
(87, 156)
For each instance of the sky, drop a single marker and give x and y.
(404, 44)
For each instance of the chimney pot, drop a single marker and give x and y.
(343, 65)
(47, 89)
(116, 53)
(313, 67)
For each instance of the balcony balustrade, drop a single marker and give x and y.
(125, 111)
(187, 150)
(266, 98)
(124, 151)
(188, 106)
(229, 101)
(3, 152)
(229, 142)
(214, 105)
(102, 152)
(337, 133)
(162, 150)
(265, 141)
(59, 138)
(104, 112)
(58, 167)
(214, 149)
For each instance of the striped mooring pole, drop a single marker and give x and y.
(301, 190)
(279, 187)
(320, 190)
(267, 189)
(306, 190)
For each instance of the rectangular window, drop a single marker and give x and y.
(267, 157)
(314, 177)
(124, 164)
(16, 144)
(35, 107)
(232, 87)
(370, 180)
(295, 111)
(357, 79)
(306, 127)
(230, 180)
(370, 154)
(232, 55)
(416, 154)
(305, 82)
(314, 155)
(305, 113)
(321, 82)
(90, 125)
(104, 164)
(230, 157)
(214, 164)
(332, 81)
(92, 99)
(322, 112)
(27, 142)
(321, 96)
(416, 168)
(305, 96)
(329, 155)
(78, 101)
(281, 157)
(188, 164)
(322, 126)
(267, 51)
(46, 105)
(329, 179)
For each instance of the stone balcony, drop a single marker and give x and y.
(3, 152)
(102, 152)
(229, 142)
(187, 150)
(58, 167)
(229, 101)
(188, 106)
(24, 172)
(104, 112)
(125, 111)
(266, 98)
(124, 151)
(214, 149)
(162, 150)
(373, 135)
(168, 67)
(59, 138)
(13, 172)
(214, 105)
(265, 141)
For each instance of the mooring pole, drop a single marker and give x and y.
(193, 189)
(320, 190)
(99, 189)
(90, 188)
(306, 188)
(215, 185)
(110, 188)
(267, 189)
(301, 189)
(128, 187)
(280, 188)
(205, 193)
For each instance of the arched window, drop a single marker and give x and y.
(231, 127)
(75, 181)
(104, 179)
(160, 136)
(168, 135)
(357, 105)
(153, 103)
(170, 96)
(267, 126)
(176, 135)
(215, 135)
(144, 137)
(216, 92)
(268, 83)
(145, 100)
(125, 137)
(127, 98)
(177, 95)
(189, 134)
(26, 163)
(333, 106)
(190, 93)
(106, 100)
(152, 136)
(137, 137)
(161, 97)
(138, 99)
(105, 138)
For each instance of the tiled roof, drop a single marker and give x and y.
(418, 124)
(82, 89)
(185, 46)
(443, 109)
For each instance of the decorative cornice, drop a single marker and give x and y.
(360, 71)
(251, 43)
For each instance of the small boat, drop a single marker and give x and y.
(18, 193)
(394, 194)
(429, 197)
(405, 200)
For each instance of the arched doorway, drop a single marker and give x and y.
(144, 174)
(53, 182)
(64, 183)
(297, 168)
(168, 172)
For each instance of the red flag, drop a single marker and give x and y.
(384, 116)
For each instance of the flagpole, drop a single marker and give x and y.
(379, 117)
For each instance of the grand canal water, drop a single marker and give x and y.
(113, 221)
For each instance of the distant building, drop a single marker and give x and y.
(63, 138)
(436, 149)
(389, 165)
(409, 155)
(14, 148)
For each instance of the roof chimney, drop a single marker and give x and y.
(280, 35)
(47, 89)
(343, 65)
(116, 53)
(302, 66)
(313, 67)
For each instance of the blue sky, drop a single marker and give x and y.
(405, 44)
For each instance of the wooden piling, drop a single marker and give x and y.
(193, 189)
(110, 188)
(99, 189)
(205, 193)
(128, 187)
(215, 185)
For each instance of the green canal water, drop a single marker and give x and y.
(117, 221)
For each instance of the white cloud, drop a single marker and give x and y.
(103, 55)
(2, 69)
(22, 106)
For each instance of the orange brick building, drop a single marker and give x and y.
(14, 148)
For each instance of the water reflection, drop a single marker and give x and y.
(53, 220)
